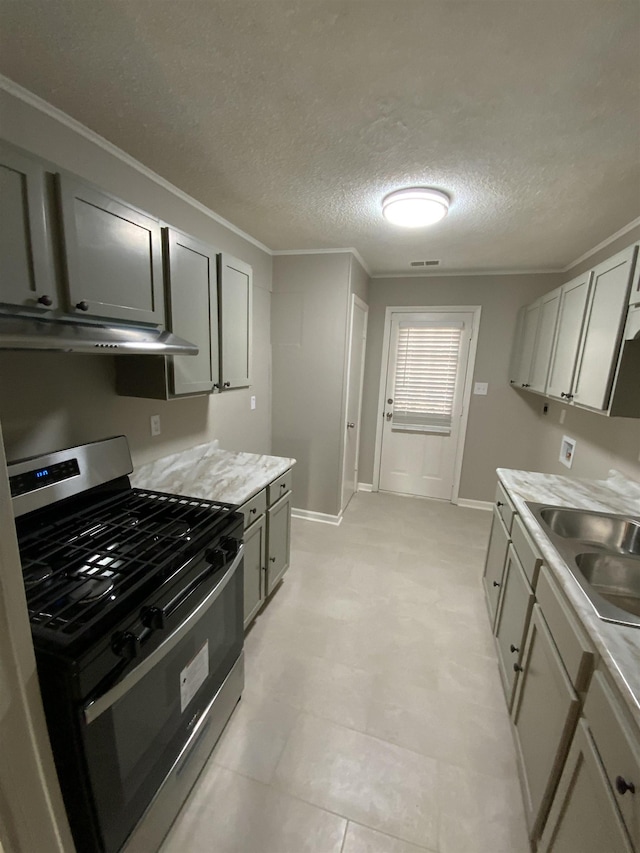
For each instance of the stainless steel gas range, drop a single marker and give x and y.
(135, 601)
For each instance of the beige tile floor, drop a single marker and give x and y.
(373, 720)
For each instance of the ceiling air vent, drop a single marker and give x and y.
(424, 263)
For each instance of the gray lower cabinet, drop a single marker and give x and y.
(494, 566)
(255, 549)
(544, 716)
(512, 622)
(113, 255)
(584, 817)
(279, 539)
(192, 314)
(26, 260)
(267, 540)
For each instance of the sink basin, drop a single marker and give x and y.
(611, 532)
(602, 552)
(614, 577)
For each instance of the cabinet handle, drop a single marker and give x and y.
(216, 384)
(513, 649)
(499, 503)
(622, 786)
(569, 396)
(283, 485)
(45, 300)
(272, 559)
(517, 668)
(82, 306)
(526, 385)
(254, 510)
(495, 583)
(226, 385)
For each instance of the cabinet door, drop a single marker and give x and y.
(235, 279)
(529, 333)
(512, 621)
(113, 255)
(573, 303)
(516, 350)
(583, 815)
(26, 263)
(279, 541)
(193, 310)
(544, 715)
(544, 340)
(603, 331)
(494, 564)
(254, 568)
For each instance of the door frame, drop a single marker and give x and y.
(355, 300)
(474, 310)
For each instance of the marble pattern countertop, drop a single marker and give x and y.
(206, 471)
(617, 645)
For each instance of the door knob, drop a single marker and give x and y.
(389, 415)
(350, 425)
(389, 401)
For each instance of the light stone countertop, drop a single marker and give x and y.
(617, 645)
(206, 471)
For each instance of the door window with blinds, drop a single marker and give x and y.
(427, 355)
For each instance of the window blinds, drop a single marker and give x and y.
(425, 378)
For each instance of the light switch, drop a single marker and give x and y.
(481, 388)
(155, 424)
(253, 402)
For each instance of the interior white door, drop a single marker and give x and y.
(355, 376)
(426, 370)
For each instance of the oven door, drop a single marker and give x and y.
(134, 733)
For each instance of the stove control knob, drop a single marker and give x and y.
(231, 546)
(125, 645)
(152, 617)
(216, 557)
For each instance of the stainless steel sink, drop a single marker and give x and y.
(602, 552)
(612, 532)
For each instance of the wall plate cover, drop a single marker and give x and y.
(567, 450)
(155, 424)
(481, 388)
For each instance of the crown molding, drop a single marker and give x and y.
(63, 118)
(625, 230)
(466, 273)
(342, 251)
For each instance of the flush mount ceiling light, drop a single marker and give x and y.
(415, 207)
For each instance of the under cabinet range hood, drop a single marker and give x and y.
(35, 333)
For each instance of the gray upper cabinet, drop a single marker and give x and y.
(526, 344)
(235, 291)
(603, 330)
(573, 303)
(26, 262)
(192, 289)
(113, 255)
(544, 340)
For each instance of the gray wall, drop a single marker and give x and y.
(54, 400)
(501, 431)
(309, 318)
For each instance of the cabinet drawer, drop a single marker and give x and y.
(575, 650)
(617, 745)
(512, 622)
(505, 507)
(254, 508)
(280, 487)
(527, 552)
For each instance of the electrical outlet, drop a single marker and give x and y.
(481, 388)
(155, 424)
(253, 402)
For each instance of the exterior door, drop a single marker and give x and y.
(355, 375)
(426, 370)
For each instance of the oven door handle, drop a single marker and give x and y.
(98, 706)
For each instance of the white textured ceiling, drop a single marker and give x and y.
(293, 119)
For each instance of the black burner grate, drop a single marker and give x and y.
(77, 568)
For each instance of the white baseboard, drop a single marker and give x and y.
(365, 487)
(322, 517)
(486, 505)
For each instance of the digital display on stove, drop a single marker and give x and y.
(21, 484)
